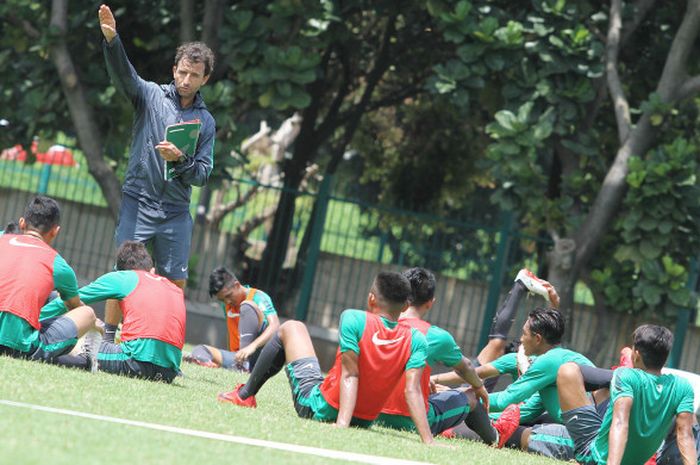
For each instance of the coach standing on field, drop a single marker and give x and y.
(154, 209)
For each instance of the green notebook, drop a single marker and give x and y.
(184, 136)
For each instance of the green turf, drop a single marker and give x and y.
(32, 437)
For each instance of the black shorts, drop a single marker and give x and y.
(304, 375)
(111, 359)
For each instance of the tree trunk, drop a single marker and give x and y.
(81, 112)
(186, 20)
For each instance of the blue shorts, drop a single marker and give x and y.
(169, 232)
(446, 410)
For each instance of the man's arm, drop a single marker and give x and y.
(685, 439)
(467, 373)
(617, 439)
(349, 382)
(120, 70)
(416, 406)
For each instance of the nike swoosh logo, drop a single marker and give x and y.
(230, 314)
(17, 243)
(246, 334)
(308, 365)
(184, 268)
(384, 342)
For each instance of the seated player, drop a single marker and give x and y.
(445, 409)
(153, 312)
(643, 405)
(374, 352)
(29, 270)
(251, 320)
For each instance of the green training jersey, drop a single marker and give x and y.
(118, 285)
(540, 377)
(656, 399)
(442, 348)
(508, 365)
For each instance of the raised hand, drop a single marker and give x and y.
(107, 22)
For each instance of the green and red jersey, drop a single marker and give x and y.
(442, 348)
(29, 270)
(153, 311)
(385, 349)
(233, 315)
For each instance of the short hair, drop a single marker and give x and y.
(654, 344)
(132, 255)
(220, 278)
(196, 52)
(548, 323)
(391, 289)
(422, 285)
(12, 228)
(42, 214)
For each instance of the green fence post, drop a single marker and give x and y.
(44, 179)
(683, 319)
(307, 282)
(496, 278)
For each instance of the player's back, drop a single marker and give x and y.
(656, 399)
(384, 351)
(26, 275)
(155, 309)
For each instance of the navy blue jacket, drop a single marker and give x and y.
(157, 106)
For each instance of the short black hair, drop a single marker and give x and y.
(392, 289)
(12, 228)
(132, 255)
(654, 344)
(196, 52)
(548, 323)
(42, 214)
(422, 285)
(219, 278)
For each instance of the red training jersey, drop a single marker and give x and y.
(384, 353)
(26, 276)
(155, 309)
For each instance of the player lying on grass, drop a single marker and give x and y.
(251, 321)
(29, 270)
(374, 352)
(153, 313)
(448, 408)
(643, 404)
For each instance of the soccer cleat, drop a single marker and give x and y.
(192, 359)
(91, 345)
(507, 423)
(538, 286)
(449, 433)
(235, 399)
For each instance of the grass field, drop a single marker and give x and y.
(38, 437)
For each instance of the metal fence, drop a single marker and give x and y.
(348, 242)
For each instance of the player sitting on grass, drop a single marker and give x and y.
(153, 312)
(374, 352)
(448, 408)
(643, 404)
(29, 270)
(491, 363)
(251, 320)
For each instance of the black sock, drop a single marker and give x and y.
(81, 361)
(479, 422)
(110, 332)
(248, 324)
(505, 315)
(270, 362)
(514, 441)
